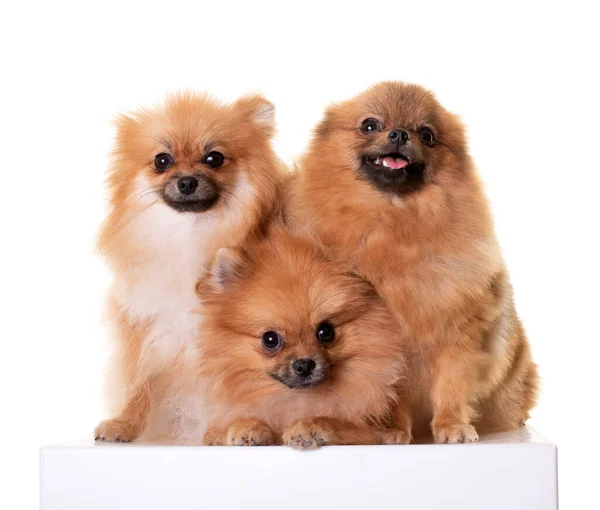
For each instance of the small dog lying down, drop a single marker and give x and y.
(296, 350)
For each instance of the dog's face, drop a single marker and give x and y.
(281, 316)
(190, 153)
(306, 363)
(394, 135)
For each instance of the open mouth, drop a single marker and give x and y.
(393, 172)
(393, 161)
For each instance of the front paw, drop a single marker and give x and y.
(214, 437)
(454, 433)
(395, 436)
(118, 431)
(249, 433)
(305, 435)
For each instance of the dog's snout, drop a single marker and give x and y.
(399, 136)
(187, 185)
(304, 367)
(302, 372)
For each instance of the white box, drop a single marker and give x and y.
(508, 471)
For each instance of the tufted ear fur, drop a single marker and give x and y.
(257, 110)
(128, 127)
(327, 123)
(226, 268)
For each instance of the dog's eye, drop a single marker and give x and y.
(271, 341)
(427, 135)
(214, 159)
(162, 162)
(370, 126)
(325, 333)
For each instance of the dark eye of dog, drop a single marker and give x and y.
(214, 159)
(369, 126)
(325, 333)
(427, 135)
(272, 340)
(162, 161)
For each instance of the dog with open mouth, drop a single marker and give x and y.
(188, 178)
(296, 350)
(393, 164)
(389, 189)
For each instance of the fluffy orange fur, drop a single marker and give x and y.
(286, 285)
(424, 237)
(158, 242)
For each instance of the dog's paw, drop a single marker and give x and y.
(249, 433)
(214, 437)
(117, 431)
(455, 433)
(395, 436)
(305, 435)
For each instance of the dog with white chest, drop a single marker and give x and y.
(188, 178)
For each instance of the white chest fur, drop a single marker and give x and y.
(170, 256)
(170, 251)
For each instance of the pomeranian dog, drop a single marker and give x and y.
(388, 187)
(296, 350)
(188, 178)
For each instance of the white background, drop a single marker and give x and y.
(521, 76)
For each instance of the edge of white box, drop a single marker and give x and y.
(512, 470)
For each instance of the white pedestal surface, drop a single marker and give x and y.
(508, 471)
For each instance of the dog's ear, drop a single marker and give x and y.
(124, 121)
(368, 289)
(128, 127)
(257, 110)
(227, 268)
(327, 123)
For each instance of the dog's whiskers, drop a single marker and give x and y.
(147, 191)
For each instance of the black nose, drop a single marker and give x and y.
(399, 135)
(304, 367)
(187, 185)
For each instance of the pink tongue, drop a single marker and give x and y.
(395, 163)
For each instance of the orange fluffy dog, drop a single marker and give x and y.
(296, 350)
(188, 178)
(389, 188)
